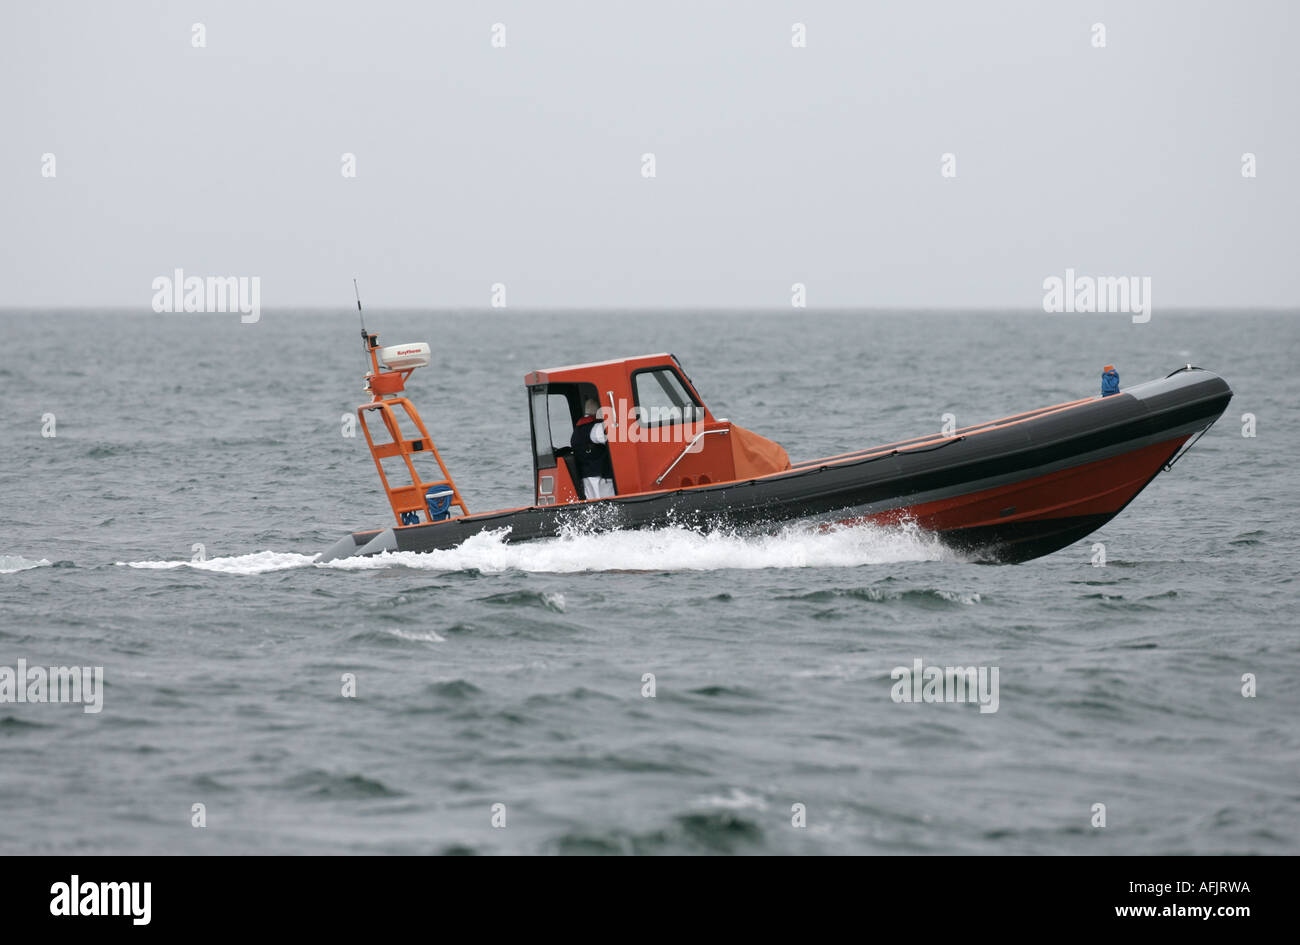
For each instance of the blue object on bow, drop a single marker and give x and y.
(1109, 380)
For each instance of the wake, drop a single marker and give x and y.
(662, 549)
(12, 564)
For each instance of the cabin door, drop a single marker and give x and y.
(677, 444)
(554, 409)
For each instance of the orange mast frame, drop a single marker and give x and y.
(386, 386)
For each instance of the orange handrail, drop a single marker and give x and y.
(385, 386)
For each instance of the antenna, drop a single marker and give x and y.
(365, 335)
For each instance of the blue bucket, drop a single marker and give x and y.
(438, 500)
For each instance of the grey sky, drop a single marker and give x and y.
(774, 164)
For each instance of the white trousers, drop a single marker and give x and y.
(594, 487)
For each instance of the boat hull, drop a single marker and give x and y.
(1008, 492)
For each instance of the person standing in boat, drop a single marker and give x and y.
(591, 453)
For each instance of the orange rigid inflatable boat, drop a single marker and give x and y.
(1004, 491)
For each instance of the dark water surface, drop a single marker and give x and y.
(493, 674)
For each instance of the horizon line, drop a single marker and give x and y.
(304, 307)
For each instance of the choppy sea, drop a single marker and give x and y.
(165, 532)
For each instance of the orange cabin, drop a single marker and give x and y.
(661, 434)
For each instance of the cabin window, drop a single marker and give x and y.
(561, 420)
(661, 398)
(541, 429)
